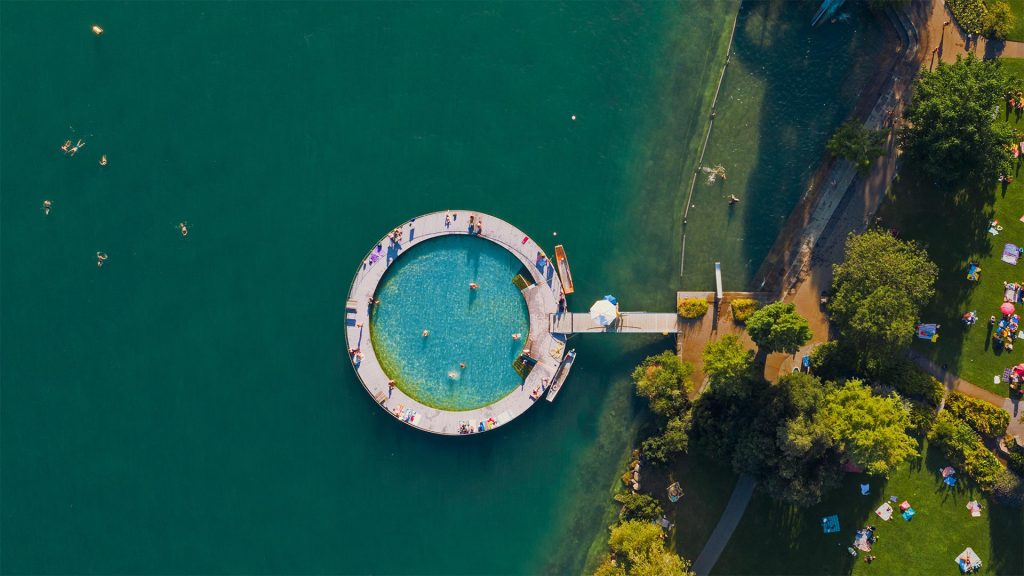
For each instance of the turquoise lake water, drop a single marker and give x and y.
(189, 407)
(427, 289)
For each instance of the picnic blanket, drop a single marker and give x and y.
(968, 560)
(1011, 293)
(908, 514)
(928, 332)
(884, 512)
(830, 524)
(974, 507)
(861, 541)
(1010, 254)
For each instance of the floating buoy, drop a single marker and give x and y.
(97, 30)
(573, 117)
(103, 160)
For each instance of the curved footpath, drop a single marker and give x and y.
(541, 301)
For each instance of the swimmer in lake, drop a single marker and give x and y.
(517, 336)
(733, 199)
(76, 147)
(46, 207)
(183, 227)
(66, 146)
(101, 257)
(103, 160)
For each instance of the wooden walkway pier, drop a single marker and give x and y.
(627, 323)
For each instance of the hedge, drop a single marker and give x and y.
(912, 382)
(742, 308)
(692, 307)
(963, 447)
(985, 418)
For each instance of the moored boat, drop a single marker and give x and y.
(563, 270)
(561, 374)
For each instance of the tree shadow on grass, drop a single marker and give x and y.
(953, 228)
(797, 531)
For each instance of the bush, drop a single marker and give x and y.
(963, 447)
(985, 418)
(912, 382)
(970, 14)
(832, 361)
(1016, 462)
(638, 507)
(673, 439)
(1008, 489)
(692, 307)
(922, 417)
(742, 308)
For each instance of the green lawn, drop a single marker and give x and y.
(774, 538)
(955, 231)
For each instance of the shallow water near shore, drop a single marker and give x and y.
(189, 407)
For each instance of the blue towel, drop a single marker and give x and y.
(909, 514)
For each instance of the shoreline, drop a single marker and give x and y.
(770, 275)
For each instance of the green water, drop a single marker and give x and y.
(189, 407)
(787, 88)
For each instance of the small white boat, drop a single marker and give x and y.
(560, 375)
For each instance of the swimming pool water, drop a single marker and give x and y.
(427, 288)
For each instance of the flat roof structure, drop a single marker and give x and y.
(541, 298)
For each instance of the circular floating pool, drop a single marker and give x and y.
(428, 288)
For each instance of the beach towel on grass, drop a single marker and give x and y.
(974, 507)
(1010, 254)
(884, 512)
(830, 524)
(908, 514)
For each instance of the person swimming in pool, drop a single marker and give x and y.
(517, 336)
(426, 333)
(473, 285)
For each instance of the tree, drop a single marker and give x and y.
(778, 328)
(879, 290)
(637, 506)
(853, 141)
(950, 133)
(665, 381)
(1000, 20)
(638, 549)
(672, 440)
(727, 363)
(884, 321)
(872, 430)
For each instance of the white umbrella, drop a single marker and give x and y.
(603, 312)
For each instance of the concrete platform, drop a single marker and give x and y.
(541, 301)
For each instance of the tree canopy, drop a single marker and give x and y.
(638, 549)
(727, 363)
(853, 141)
(665, 381)
(777, 435)
(879, 290)
(872, 430)
(950, 133)
(778, 328)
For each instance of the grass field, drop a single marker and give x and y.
(774, 538)
(955, 232)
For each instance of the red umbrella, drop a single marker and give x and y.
(1006, 308)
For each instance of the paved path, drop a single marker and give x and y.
(954, 382)
(541, 301)
(726, 525)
